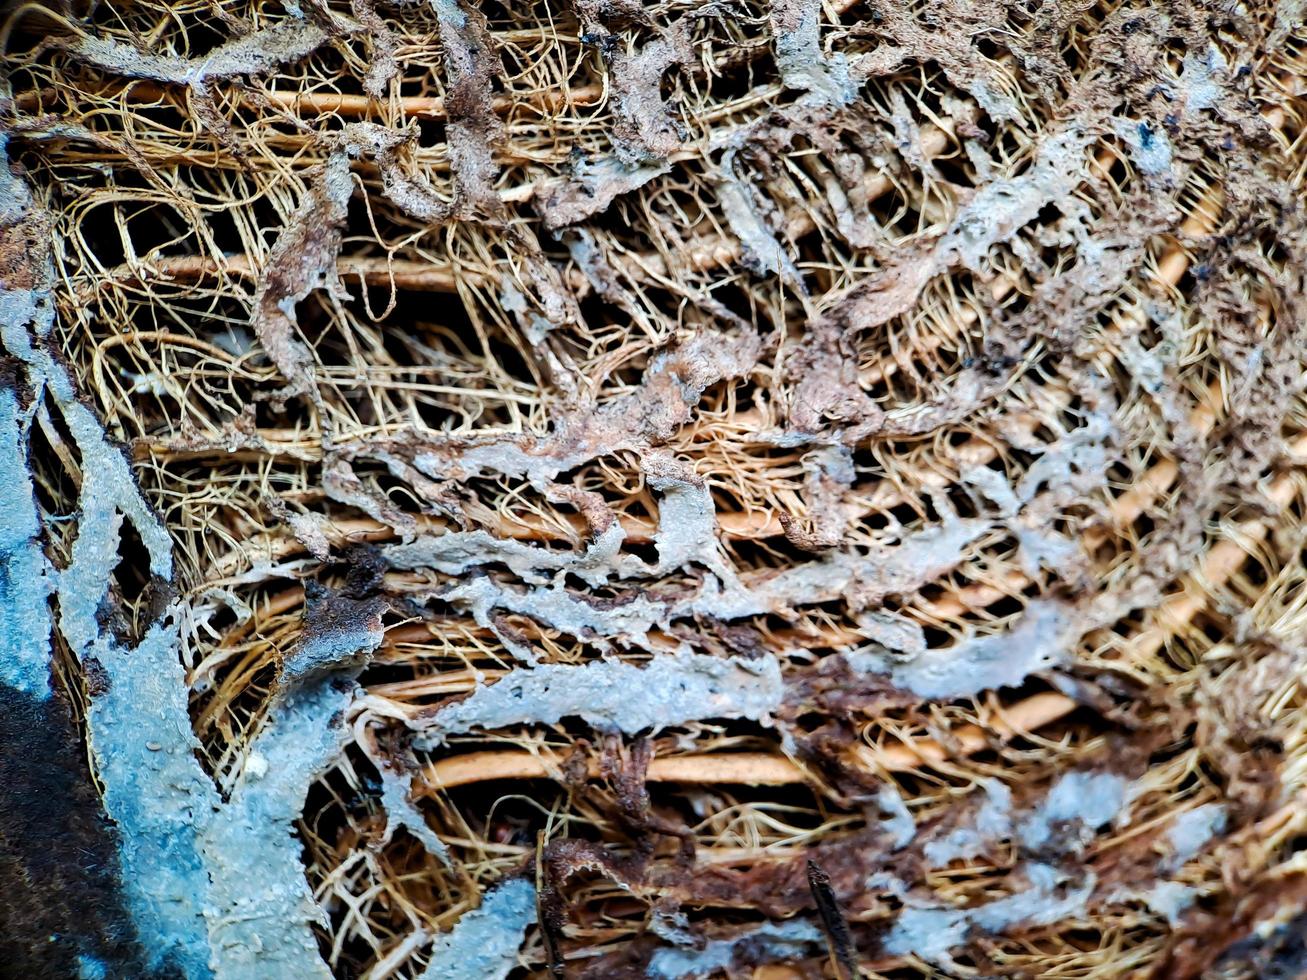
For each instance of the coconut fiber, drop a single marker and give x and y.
(600, 489)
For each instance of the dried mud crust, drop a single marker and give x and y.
(666, 489)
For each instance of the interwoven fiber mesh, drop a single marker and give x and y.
(755, 489)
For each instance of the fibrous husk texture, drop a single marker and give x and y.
(656, 489)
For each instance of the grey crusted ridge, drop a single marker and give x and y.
(214, 890)
(155, 791)
(483, 944)
(803, 64)
(1075, 806)
(25, 582)
(1190, 832)
(993, 822)
(932, 933)
(261, 904)
(1041, 640)
(138, 726)
(785, 940)
(397, 802)
(686, 533)
(615, 696)
(1085, 800)
(261, 51)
